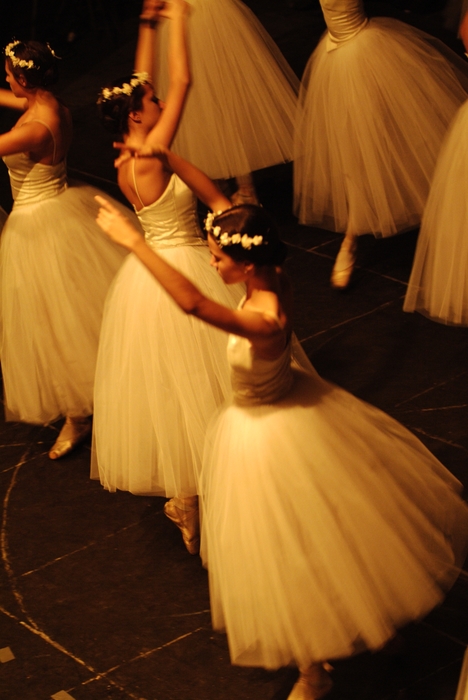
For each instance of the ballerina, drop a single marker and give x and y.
(326, 524)
(377, 97)
(55, 265)
(239, 114)
(159, 376)
(438, 285)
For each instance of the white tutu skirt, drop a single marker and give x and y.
(326, 526)
(239, 114)
(372, 116)
(56, 266)
(161, 375)
(438, 286)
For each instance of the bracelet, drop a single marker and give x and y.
(151, 23)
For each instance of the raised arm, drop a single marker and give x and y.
(248, 324)
(179, 74)
(144, 55)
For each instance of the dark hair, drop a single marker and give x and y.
(44, 73)
(251, 220)
(115, 110)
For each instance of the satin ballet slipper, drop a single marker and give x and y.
(187, 521)
(313, 683)
(343, 267)
(73, 433)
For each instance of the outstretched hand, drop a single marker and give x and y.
(145, 151)
(152, 9)
(117, 227)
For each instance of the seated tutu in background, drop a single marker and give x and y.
(55, 265)
(326, 524)
(376, 99)
(239, 114)
(438, 286)
(160, 375)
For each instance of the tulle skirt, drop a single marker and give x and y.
(56, 266)
(3, 217)
(372, 116)
(239, 114)
(326, 526)
(438, 286)
(160, 377)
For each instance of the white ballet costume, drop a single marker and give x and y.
(239, 113)
(56, 266)
(161, 374)
(326, 524)
(438, 285)
(376, 99)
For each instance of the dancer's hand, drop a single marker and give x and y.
(152, 10)
(145, 151)
(116, 225)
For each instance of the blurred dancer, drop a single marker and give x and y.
(55, 264)
(376, 99)
(438, 286)
(160, 375)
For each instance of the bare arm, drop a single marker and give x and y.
(248, 324)
(179, 76)
(144, 55)
(32, 136)
(7, 99)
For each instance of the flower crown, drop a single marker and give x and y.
(224, 238)
(21, 62)
(126, 89)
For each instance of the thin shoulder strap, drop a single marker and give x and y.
(135, 184)
(51, 133)
(266, 312)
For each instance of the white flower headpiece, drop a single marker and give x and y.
(127, 88)
(21, 62)
(15, 61)
(223, 238)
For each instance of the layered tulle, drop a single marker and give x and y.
(160, 377)
(372, 116)
(326, 526)
(56, 268)
(239, 114)
(438, 286)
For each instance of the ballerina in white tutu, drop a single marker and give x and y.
(377, 97)
(160, 376)
(56, 266)
(239, 113)
(438, 285)
(326, 524)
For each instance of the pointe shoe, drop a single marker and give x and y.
(73, 433)
(245, 196)
(188, 523)
(312, 684)
(343, 268)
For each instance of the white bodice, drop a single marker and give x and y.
(33, 182)
(172, 219)
(344, 18)
(256, 381)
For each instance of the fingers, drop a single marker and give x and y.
(105, 204)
